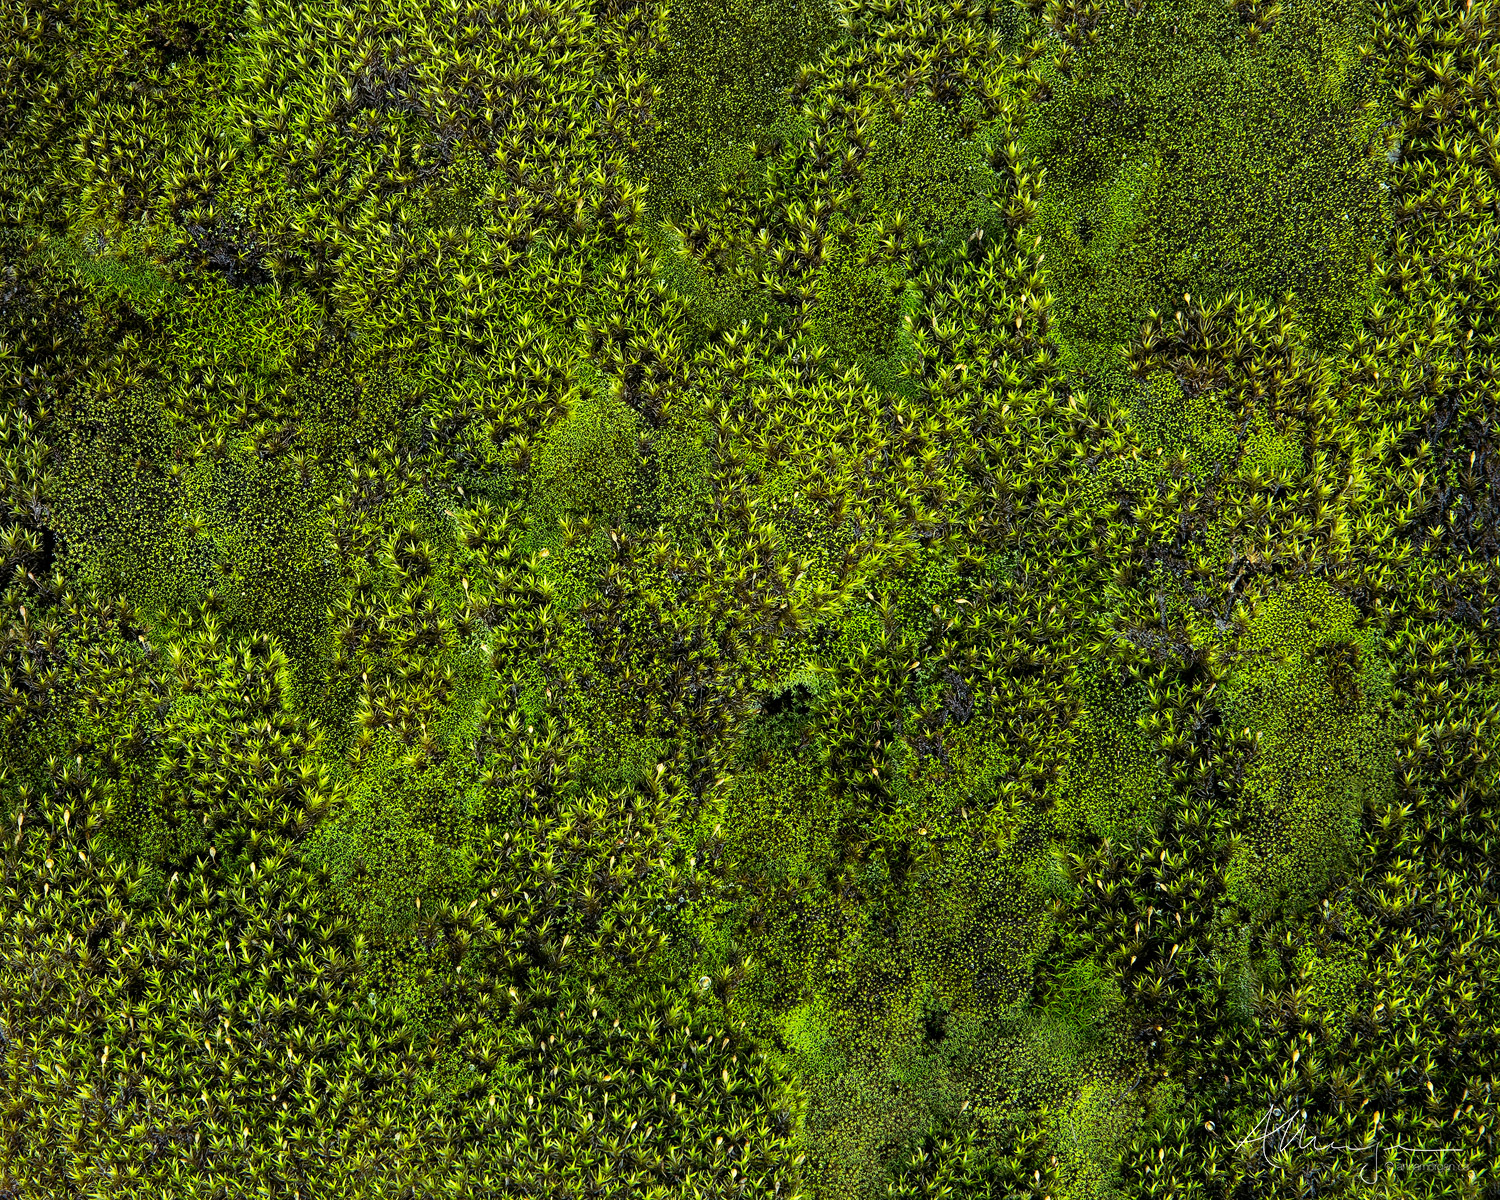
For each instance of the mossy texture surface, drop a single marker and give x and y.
(775, 599)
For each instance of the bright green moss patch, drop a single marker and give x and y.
(400, 838)
(587, 465)
(859, 299)
(928, 168)
(1311, 690)
(1113, 780)
(1333, 982)
(838, 601)
(1091, 1136)
(1194, 430)
(880, 1008)
(1185, 157)
(721, 74)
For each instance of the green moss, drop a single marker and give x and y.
(1274, 455)
(863, 1120)
(460, 199)
(568, 626)
(397, 838)
(197, 742)
(923, 167)
(808, 1034)
(681, 463)
(127, 273)
(587, 465)
(721, 74)
(1113, 781)
(1092, 1135)
(713, 253)
(858, 306)
(255, 331)
(1198, 428)
(719, 289)
(271, 551)
(777, 820)
(1311, 688)
(116, 497)
(1183, 158)
(1081, 998)
(1332, 983)
(959, 773)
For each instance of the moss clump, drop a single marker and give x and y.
(399, 838)
(865, 1118)
(713, 249)
(1112, 780)
(924, 167)
(116, 497)
(778, 822)
(1081, 998)
(1311, 688)
(270, 550)
(682, 484)
(1332, 983)
(858, 305)
(199, 746)
(717, 284)
(587, 466)
(459, 199)
(1183, 157)
(1091, 1135)
(787, 732)
(721, 74)
(1196, 429)
(1273, 455)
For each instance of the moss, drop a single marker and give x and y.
(1312, 689)
(588, 605)
(858, 307)
(864, 1119)
(398, 838)
(1092, 1135)
(587, 465)
(271, 554)
(127, 273)
(780, 823)
(713, 254)
(459, 201)
(1333, 983)
(188, 738)
(718, 288)
(1113, 781)
(1274, 455)
(259, 332)
(938, 780)
(949, 928)
(1081, 997)
(1183, 158)
(1198, 428)
(116, 496)
(681, 463)
(721, 74)
(923, 167)
(809, 1039)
